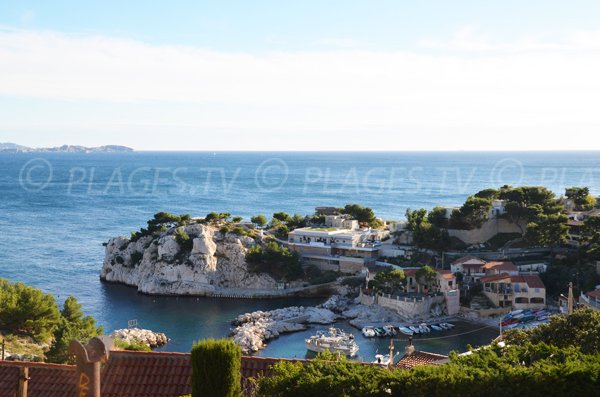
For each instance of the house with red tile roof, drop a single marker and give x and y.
(414, 358)
(591, 299)
(514, 291)
(499, 267)
(471, 267)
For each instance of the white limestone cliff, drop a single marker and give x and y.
(215, 264)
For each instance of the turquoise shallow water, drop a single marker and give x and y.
(56, 210)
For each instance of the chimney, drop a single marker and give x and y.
(409, 349)
(88, 364)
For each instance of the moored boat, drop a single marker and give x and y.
(382, 359)
(406, 330)
(335, 341)
(368, 332)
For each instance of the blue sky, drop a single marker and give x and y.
(283, 75)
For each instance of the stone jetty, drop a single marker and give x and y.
(252, 330)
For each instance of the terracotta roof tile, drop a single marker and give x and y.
(532, 280)
(417, 358)
(137, 374)
(594, 294)
(495, 277)
(447, 274)
(46, 380)
(501, 266)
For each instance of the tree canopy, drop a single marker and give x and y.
(73, 325)
(582, 199)
(275, 260)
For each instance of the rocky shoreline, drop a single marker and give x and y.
(252, 330)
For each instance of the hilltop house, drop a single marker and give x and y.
(518, 291)
(470, 266)
(575, 222)
(341, 245)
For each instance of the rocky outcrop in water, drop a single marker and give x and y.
(254, 329)
(214, 264)
(141, 336)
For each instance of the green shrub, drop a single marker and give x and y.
(131, 346)
(216, 368)
(240, 231)
(224, 229)
(184, 241)
(25, 310)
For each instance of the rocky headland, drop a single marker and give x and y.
(213, 264)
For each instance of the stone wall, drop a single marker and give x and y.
(406, 307)
(488, 230)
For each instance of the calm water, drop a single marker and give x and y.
(56, 210)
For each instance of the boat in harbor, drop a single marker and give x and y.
(436, 327)
(406, 331)
(382, 359)
(335, 341)
(368, 332)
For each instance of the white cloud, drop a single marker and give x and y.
(472, 39)
(359, 98)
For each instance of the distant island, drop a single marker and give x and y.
(15, 148)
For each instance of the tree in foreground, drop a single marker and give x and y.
(73, 326)
(216, 368)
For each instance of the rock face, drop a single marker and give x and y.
(214, 265)
(141, 336)
(254, 329)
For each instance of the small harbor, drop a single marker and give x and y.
(464, 333)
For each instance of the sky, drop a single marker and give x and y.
(301, 75)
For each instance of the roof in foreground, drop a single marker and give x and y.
(45, 380)
(126, 374)
(417, 358)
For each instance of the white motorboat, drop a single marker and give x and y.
(382, 359)
(414, 329)
(368, 332)
(406, 331)
(390, 330)
(446, 325)
(424, 328)
(436, 327)
(335, 341)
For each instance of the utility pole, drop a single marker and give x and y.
(570, 300)
(391, 364)
(2, 349)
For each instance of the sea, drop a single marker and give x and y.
(57, 209)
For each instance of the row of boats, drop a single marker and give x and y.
(522, 319)
(337, 341)
(410, 330)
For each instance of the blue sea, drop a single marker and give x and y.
(56, 210)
